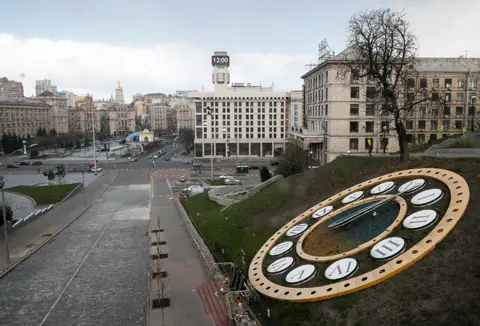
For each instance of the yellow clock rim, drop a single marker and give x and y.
(459, 197)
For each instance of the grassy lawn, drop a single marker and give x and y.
(45, 195)
(216, 182)
(419, 295)
(418, 148)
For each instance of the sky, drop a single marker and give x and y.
(86, 46)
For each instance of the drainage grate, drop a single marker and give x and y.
(161, 274)
(160, 303)
(160, 243)
(156, 231)
(161, 256)
(46, 235)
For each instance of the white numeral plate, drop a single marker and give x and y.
(352, 197)
(420, 219)
(412, 186)
(297, 229)
(427, 197)
(341, 268)
(388, 248)
(280, 265)
(281, 248)
(382, 188)
(300, 274)
(323, 212)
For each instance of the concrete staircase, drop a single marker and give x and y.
(214, 305)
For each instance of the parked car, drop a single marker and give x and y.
(37, 163)
(274, 162)
(155, 157)
(191, 191)
(183, 179)
(25, 163)
(12, 166)
(254, 167)
(232, 181)
(166, 158)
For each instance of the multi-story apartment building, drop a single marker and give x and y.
(10, 88)
(137, 97)
(23, 116)
(148, 98)
(185, 113)
(77, 120)
(342, 117)
(159, 109)
(58, 115)
(44, 86)
(296, 110)
(71, 98)
(242, 120)
(140, 108)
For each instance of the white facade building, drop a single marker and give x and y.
(119, 95)
(44, 86)
(71, 98)
(241, 120)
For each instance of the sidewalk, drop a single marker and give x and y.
(34, 234)
(21, 206)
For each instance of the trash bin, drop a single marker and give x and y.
(242, 169)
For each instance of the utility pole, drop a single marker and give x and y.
(83, 183)
(94, 147)
(7, 251)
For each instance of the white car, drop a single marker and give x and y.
(225, 177)
(183, 179)
(233, 182)
(155, 157)
(98, 170)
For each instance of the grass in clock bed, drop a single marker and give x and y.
(45, 195)
(436, 290)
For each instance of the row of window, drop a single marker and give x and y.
(240, 104)
(421, 124)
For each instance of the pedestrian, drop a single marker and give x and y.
(370, 147)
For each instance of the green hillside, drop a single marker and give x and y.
(441, 289)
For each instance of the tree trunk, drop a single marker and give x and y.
(402, 140)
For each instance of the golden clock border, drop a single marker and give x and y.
(459, 197)
(400, 216)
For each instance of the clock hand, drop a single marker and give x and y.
(354, 216)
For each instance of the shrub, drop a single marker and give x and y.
(265, 174)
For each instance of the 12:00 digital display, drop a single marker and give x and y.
(220, 60)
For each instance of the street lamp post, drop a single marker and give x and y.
(384, 139)
(24, 142)
(7, 251)
(472, 103)
(209, 112)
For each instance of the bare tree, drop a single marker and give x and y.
(162, 277)
(381, 51)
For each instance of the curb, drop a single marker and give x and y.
(70, 194)
(21, 260)
(17, 193)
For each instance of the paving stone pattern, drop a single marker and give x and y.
(93, 273)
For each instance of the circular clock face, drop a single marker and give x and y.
(360, 236)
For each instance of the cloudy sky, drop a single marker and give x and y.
(162, 46)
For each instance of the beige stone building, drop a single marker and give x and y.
(58, 115)
(185, 114)
(159, 109)
(341, 118)
(23, 116)
(10, 88)
(77, 120)
(140, 108)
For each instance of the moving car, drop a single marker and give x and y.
(12, 166)
(224, 176)
(232, 181)
(37, 163)
(155, 157)
(191, 191)
(183, 179)
(99, 169)
(24, 163)
(254, 167)
(167, 158)
(274, 162)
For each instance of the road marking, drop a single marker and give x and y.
(78, 269)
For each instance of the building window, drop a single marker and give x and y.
(409, 124)
(446, 124)
(353, 144)
(421, 138)
(371, 92)
(421, 124)
(458, 124)
(459, 112)
(435, 97)
(411, 83)
(370, 110)
(423, 83)
(354, 109)
(433, 124)
(435, 84)
(446, 111)
(354, 79)
(369, 126)
(353, 126)
(354, 92)
(460, 83)
(460, 97)
(448, 83)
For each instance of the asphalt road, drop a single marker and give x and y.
(93, 273)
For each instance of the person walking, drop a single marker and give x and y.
(370, 147)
